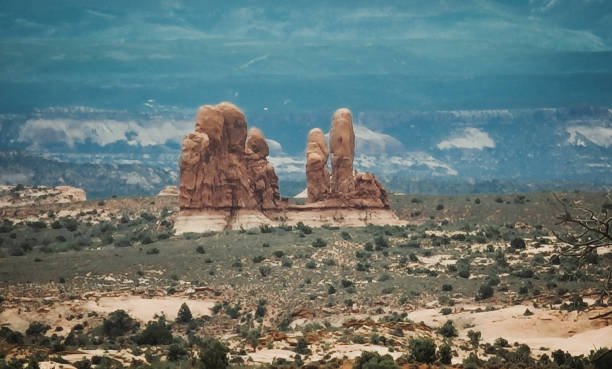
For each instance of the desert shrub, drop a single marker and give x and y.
(70, 224)
(118, 323)
(445, 354)
(304, 228)
(261, 310)
(373, 360)
(381, 242)
(484, 292)
(576, 304)
(265, 228)
(500, 342)
(153, 251)
(184, 314)
(474, 337)
(447, 287)
(463, 268)
(302, 346)
(493, 280)
(523, 273)
(527, 312)
(123, 242)
(555, 259)
(258, 259)
(11, 337)
(233, 311)
(82, 364)
(265, 270)
(422, 349)
(346, 236)
(155, 333)
(472, 362)
(279, 253)
(368, 246)
(331, 289)
(346, 283)
(176, 352)
(200, 250)
(311, 264)
(446, 311)
(213, 354)
(447, 329)
(37, 329)
(286, 262)
(319, 242)
(518, 243)
(147, 216)
(37, 224)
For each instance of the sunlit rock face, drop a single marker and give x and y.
(224, 168)
(317, 175)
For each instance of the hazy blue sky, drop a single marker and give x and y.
(306, 55)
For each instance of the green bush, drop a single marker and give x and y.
(447, 287)
(447, 329)
(474, 337)
(155, 333)
(213, 354)
(302, 347)
(373, 360)
(518, 243)
(444, 351)
(346, 236)
(422, 349)
(319, 242)
(304, 228)
(37, 329)
(176, 352)
(484, 292)
(118, 323)
(184, 314)
(381, 242)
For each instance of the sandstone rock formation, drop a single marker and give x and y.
(264, 182)
(317, 175)
(342, 147)
(346, 189)
(220, 169)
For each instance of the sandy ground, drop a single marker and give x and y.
(552, 329)
(145, 309)
(142, 309)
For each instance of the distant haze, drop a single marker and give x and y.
(474, 89)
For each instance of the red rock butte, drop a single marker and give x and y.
(227, 182)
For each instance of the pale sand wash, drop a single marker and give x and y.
(553, 329)
(219, 220)
(142, 309)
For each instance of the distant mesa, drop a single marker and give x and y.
(226, 180)
(13, 196)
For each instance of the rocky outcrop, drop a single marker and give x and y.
(342, 147)
(220, 168)
(346, 188)
(317, 175)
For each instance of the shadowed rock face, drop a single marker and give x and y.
(264, 182)
(317, 175)
(220, 168)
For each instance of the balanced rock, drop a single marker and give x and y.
(219, 170)
(317, 175)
